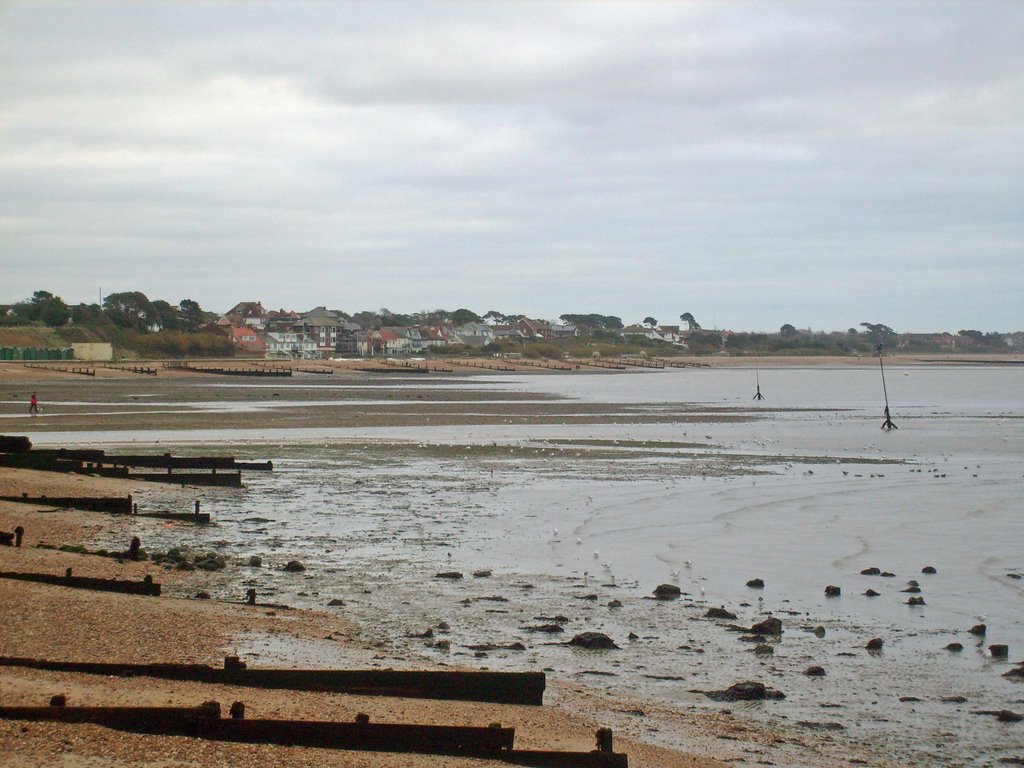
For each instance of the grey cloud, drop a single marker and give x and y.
(774, 160)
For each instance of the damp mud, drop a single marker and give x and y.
(567, 523)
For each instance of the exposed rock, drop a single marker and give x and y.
(443, 645)
(294, 566)
(593, 641)
(913, 583)
(210, 561)
(954, 699)
(753, 639)
(1006, 716)
(255, 561)
(821, 726)
(202, 595)
(955, 647)
(871, 593)
(909, 699)
(814, 671)
(427, 633)
(336, 602)
(719, 613)
(756, 583)
(443, 626)
(632, 636)
(833, 591)
(553, 619)
(494, 647)
(550, 629)
(667, 591)
(915, 601)
(1017, 671)
(979, 630)
(999, 651)
(887, 575)
(615, 604)
(770, 626)
(448, 575)
(912, 590)
(481, 574)
(871, 572)
(588, 597)
(819, 631)
(874, 644)
(745, 691)
(929, 570)
(764, 650)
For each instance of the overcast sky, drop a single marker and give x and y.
(760, 163)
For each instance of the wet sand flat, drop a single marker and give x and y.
(672, 477)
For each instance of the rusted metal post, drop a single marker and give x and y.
(604, 740)
(251, 596)
(363, 718)
(133, 549)
(237, 711)
(59, 700)
(18, 533)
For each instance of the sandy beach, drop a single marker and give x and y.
(77, 625)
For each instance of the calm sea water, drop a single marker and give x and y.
(802, 490)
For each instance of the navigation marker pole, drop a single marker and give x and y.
(887, 424)
(757, 378)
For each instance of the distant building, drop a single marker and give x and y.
(249, 313)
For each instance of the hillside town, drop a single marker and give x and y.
(324, 333)
(132, 325)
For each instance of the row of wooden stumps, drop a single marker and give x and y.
(492, 742)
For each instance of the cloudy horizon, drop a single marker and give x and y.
(754, 163)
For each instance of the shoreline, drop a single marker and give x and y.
(573, 710)
(98, 626)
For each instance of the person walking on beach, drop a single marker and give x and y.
(33, 405)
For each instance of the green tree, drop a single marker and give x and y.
(593, 320)
(788, 331)
(84, 313)
(650, 322)
(691, 324)
(880, 335)
(494, 317)
(129, 309)
(191, 315)
(166, 316)
(463, 316)
(55, 312)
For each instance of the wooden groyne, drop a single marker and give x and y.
(224, 471)
(638, 362)
(493, 687)
(482, 365)
(118, 505)
(601, 364)
(492, 742)
(140, 369)
(169, 721)
(144, 587)
(549, 364)
(114, 505)
(81, 370)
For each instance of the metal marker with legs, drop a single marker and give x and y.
(887, 424)
(757, 378)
